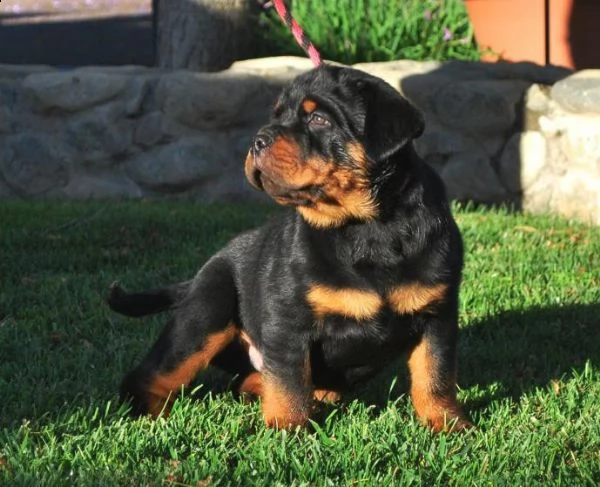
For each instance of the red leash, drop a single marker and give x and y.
(297, 31)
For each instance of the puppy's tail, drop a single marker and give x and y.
(145, 302)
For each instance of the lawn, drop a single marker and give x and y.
(529, 362)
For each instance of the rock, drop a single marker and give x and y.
(477, 107)
(8, 104)
(533, 151)
(19, 71)
(5, 120)
(72, 91)
(537, 103)
(395, 72)
(509, 169)
(494, 131)
(283, 68)
(578, 196)
(470, 177)
(537, 197)
(230, 188)
(185, 164)
(126, 69)
(33, 164)
(422, 90)
(579, 92)
(522, 160)
(174, 130)
(5, 191)
(9, 90)
(550, 126)
(537, 98)
(438, 144)
(140, 95)
(580, 140)
(107, 184)
(526, 71)
(213, 101)
(101, 134)
(472, 107)
(149, 130)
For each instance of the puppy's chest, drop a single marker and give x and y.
(359, 325)
(365, 303)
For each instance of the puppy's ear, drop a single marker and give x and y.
(391, 121)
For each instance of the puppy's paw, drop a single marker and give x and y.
(449, 424)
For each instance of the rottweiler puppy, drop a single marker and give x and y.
(365, 267)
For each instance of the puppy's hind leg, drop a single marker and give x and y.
(203, 325)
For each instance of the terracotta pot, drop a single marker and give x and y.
(513, 29)
(573, 34)
(560, 32)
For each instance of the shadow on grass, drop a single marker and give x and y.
(517, 351)
(502, 356)
(61, 348)
(508, 355)
(76, 354)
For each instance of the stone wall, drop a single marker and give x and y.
(519, 134)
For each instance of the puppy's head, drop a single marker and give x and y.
(330, 129)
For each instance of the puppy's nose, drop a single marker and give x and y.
(261, 141)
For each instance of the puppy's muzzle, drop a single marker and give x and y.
(261, 142)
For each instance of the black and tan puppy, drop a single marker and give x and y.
(366, 268)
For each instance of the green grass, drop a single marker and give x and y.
(353, 31)
(529, 362)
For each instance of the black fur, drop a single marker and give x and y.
(260, 283)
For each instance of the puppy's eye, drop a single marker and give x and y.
(318, 120)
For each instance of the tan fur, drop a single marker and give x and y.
(412, 298)
(350, 303)
(348, 186)
(327, 396)
(309, 105)
(164, 385)
(252, 385)
(281, 407)
(436, 411)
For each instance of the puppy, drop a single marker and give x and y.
(365, 267)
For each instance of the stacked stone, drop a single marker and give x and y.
(568, 121)
(128, 132)
(516, 134)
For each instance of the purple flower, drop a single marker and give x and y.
(447, 34)
(427, 15)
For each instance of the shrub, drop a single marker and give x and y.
(351, 31)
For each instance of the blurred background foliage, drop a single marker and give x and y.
(353, 31)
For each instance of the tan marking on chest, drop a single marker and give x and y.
(412, 298)
(350, 303)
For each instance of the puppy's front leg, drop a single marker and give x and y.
(287, 390)
(432, 364)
